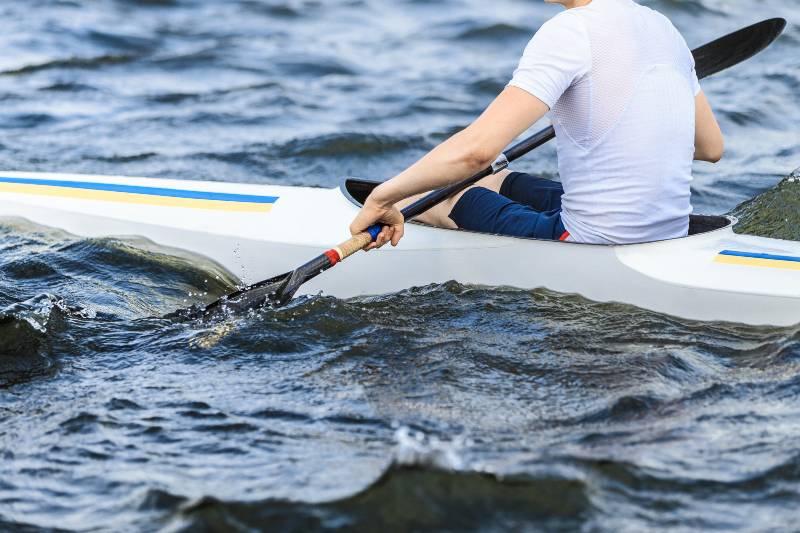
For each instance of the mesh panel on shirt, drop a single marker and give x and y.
(626, 128)
(624, 47)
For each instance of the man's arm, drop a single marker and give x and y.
(709, 144)
(469, 150)
(462, 155)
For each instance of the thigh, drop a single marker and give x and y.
(486, 211)
(539, 193)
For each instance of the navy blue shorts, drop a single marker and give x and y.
(527, 206)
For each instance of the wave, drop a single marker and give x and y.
(73, 63)
(488, 86)
(69, 87)
(272, 9)
(134, 43)
(774, 213)
(495, 32)
(348, 144)
(306, 66)
(334, 145)
(113, 276)
(414, 498)
(204, 57)
(22, 527)
(178, 98)
(123, 158)
(28, 120)
(156, 3)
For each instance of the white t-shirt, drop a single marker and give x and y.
(620, 83)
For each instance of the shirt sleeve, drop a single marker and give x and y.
(556, 57)
(694, 80)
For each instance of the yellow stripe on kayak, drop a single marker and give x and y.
(757, 262)
(133, 198)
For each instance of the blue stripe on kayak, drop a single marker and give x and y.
(751, 255)
(149, 191)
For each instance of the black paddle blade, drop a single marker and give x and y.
(262, 294)
(273, 293)
(736, 47)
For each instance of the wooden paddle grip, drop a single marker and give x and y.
(355, 244)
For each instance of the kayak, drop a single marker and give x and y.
(258, 231)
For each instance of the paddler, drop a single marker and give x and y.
(619, 84)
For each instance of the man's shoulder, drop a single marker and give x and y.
(565, 23)
(567, 17)
(658, 17)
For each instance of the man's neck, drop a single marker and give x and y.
(577, 3)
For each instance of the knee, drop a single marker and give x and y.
(495, 181)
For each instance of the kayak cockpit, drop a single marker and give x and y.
(357, 191)
(699, 224)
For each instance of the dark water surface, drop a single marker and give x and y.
(443, 407)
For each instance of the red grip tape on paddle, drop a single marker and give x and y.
(333, 256)
(564, 236)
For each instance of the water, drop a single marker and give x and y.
(443, 407)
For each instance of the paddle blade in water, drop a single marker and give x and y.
(262, 294)
(274, 292)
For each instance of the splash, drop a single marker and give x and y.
(25, 330)
(415, 448)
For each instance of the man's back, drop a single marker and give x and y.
(620, 83)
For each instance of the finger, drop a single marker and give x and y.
(388, 236)
(357, 226)
(384, 236)
(397, 234)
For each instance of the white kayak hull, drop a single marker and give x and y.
(259, 231)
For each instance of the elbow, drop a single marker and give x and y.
(713, 153)
(481, 159)
(472, 150)
(477, 157)
(716, 153)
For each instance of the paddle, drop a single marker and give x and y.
(709, 59)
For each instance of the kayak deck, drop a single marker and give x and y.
(259, 231)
